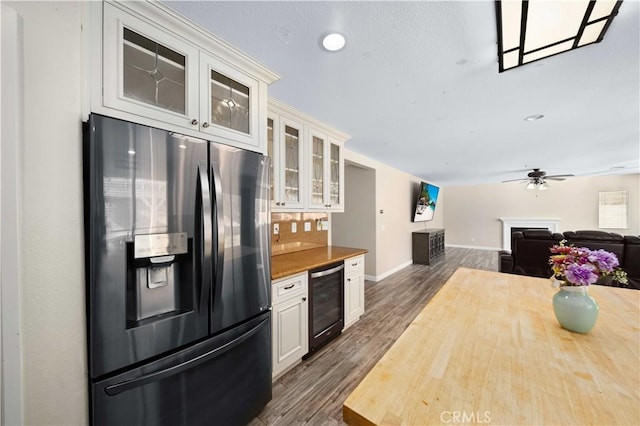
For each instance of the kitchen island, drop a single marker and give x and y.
(488, 349)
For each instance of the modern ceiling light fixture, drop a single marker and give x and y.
(333, 42)
(537, 179)
(533, 30)
(538, 184)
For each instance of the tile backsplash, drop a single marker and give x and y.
(287, 241)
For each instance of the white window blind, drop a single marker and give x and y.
(613, 210)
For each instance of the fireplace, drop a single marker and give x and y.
(510, 225)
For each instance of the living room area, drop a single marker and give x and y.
(473, 215)
(475, 219)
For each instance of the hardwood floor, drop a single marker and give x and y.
(313, 392)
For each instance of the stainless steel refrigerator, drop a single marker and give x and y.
(178, 277)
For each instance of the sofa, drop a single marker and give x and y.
(530, 252)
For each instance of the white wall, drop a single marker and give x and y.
(52, 291)
(11, 143)
(473, 212)
(395, 193)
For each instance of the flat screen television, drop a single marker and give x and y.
(426, 202)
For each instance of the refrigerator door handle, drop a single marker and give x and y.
(207, 231)
(219, 215)
(118, 388)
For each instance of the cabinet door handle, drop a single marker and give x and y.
(288, 287)
(205, 124)
(354, 264)
(194, 122)
(348, 279)
(304, 299)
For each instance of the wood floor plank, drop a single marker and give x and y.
(313, 392)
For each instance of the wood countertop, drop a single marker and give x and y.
(283, 265)
(488, 349)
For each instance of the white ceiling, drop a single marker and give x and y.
(417, 86)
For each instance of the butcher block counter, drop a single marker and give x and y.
(488, 349)
(283, 265)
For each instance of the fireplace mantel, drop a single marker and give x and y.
(508, 223)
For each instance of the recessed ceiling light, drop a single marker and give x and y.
(333, 42)
(534, 117)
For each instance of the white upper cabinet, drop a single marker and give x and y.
(307, 161)
(286, 147)
(326, 166)
(157, 68)
(228, 101)
(147, 72)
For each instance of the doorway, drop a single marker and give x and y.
(356, 227)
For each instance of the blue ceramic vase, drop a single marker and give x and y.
(575, 309)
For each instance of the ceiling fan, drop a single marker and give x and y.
(536, 179)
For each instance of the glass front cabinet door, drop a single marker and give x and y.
(229, 101)
(336, 178)
(150, 73)
(326, 165)
(317, 179)
(284, 146)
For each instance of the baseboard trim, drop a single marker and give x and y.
(387, 273)
(474, 247)
(376, 278)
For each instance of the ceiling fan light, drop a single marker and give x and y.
(529, 31)
(530, 185)
(543, 186)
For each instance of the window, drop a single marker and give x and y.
(613, 210)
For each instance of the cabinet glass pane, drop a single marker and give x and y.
(153, 73)
(292, 165)
(334, 187)
(270, 153)
(317, 172)
(229, 103)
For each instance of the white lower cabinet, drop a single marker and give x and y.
(353, 289)
(290, 319)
